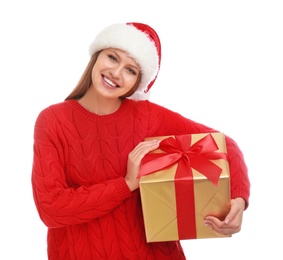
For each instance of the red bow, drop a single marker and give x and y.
(197, 156)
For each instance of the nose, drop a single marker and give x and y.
(116, 71)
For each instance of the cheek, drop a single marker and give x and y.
(130, 82)
(130, 78)
(95, 71)
(93, 74)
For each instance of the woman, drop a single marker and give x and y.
(88, 150)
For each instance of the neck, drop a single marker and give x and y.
(99, 105)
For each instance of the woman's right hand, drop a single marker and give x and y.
(134, 161)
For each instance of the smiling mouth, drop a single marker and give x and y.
(110, 82)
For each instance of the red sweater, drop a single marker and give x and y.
(79, 165)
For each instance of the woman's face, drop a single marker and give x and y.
(115, 73)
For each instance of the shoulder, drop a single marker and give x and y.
(53, 112)
(57, 107)
(145, 106)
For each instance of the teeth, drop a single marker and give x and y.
(109, 82)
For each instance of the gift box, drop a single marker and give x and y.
(181, 182)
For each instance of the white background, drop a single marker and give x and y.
(222, 65)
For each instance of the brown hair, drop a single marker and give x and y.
(86, 81)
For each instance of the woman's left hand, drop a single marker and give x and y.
(233, 221)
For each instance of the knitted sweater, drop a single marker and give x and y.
(79, 165)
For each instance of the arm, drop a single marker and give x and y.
(240, 192)
(174, 123)
(166, 122)
(170, 123)
(57, 203)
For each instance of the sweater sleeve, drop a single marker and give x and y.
(239, 179)
(240, 183)
(174, 123)
(57, 204)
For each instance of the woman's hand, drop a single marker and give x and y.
(233, 221)
(134, 161)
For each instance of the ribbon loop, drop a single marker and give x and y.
(198, 156)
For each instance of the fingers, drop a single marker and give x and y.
(134, 161)
(143, 148)
(233, 221)
(219, 226)
(135, 157)
(237, 205)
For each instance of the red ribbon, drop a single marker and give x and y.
(198, 156)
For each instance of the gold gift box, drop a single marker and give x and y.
(158, 197)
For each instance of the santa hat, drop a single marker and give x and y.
(141, 42)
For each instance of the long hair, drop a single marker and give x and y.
(86, 81)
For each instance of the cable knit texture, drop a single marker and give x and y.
(79, 165)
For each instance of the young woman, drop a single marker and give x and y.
(88, 150)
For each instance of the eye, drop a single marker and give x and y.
(131, 71)
(111, 57)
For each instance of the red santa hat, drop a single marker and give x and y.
(141, 42)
